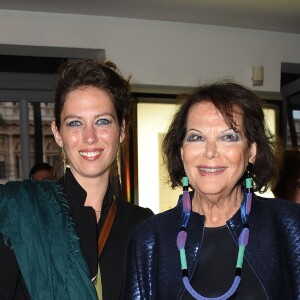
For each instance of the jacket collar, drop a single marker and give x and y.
(84, 217)
(76, 194)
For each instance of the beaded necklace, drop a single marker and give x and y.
(243, 240)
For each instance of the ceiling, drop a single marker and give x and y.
(271, 15)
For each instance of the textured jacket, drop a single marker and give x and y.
(273, 251)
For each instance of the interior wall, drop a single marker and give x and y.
(152, 123)
(160, 53)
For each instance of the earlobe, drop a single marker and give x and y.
(122, 136)
(181, 153)
(60, 144)
(122, 132)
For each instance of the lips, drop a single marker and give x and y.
(91, 154)
(211, 171)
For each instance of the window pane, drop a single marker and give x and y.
(296, 121)
(43, 147)
(42, 144)
(10, 146)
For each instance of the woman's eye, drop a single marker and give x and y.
(230, 137)
(195, 138)
(103, 122)
(73, 123)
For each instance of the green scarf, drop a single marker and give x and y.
(35, 221)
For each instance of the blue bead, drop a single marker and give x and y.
(248, 183)
(185, 181)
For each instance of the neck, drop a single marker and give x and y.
(96, 189)
(217, 209)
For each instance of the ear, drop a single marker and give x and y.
(56, 134)
(122, 131)
(253, 151)
(181, 153)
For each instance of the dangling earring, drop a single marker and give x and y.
(186, 199)
(249, 186)
(249, 180)
(64, 159)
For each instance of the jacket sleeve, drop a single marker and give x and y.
(140, 269)
(291, 247)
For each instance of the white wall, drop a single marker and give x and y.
(160, 53)
(153, 120)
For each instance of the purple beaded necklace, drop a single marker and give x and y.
(243, 240)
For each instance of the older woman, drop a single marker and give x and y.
(221, 241)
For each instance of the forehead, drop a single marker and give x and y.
(207, 113)
(87, 97)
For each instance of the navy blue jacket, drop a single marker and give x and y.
(273, 251)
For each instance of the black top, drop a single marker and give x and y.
(113, 257)
(215, 270)
(12, 285)
(112, 260)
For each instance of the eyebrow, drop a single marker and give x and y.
(202, 132)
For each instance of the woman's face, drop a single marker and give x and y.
(89, 133)
(214, 156)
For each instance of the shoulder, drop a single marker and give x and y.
(160, 224)
(277, 209)
(155, 235)
(277, 205)
(128, 217)
(35, 195)
(30, 186)
(133, 209)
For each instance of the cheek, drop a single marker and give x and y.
(110, 137)
(69, 140)
(107, 136)
(233, 155)
(236, 156)
(190, 153)
(190, 157)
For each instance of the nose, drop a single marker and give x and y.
(211, 149)
(89, 135)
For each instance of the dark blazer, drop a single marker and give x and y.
(273, 251)
(113, 258)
